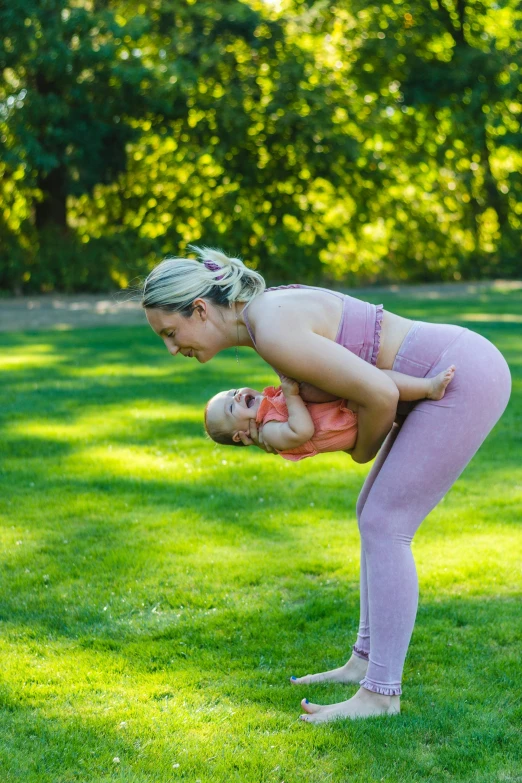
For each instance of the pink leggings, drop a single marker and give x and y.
(417, 464)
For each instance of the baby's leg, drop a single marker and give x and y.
(412, 389)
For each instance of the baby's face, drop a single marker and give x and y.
(230, 411)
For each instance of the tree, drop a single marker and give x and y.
(80, 84)
(344, 140)
(452, 70)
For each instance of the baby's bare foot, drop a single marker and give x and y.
(352, 671)
(438, 384)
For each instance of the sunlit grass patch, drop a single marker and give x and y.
(158, 590)
(34, 356)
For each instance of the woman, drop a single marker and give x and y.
(336, 345)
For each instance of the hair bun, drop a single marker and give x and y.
(175, 282)
(213, 267)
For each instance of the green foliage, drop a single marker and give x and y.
(158, 591)
(102, 264)
(350, 142)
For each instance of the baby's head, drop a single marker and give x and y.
(229, 413)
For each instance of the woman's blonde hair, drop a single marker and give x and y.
(175, 282)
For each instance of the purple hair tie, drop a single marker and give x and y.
(212, 267)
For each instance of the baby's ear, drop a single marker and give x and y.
(236, 437)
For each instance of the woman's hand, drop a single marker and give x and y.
(313, 358)
(254, 437)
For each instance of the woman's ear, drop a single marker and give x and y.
(200, 306)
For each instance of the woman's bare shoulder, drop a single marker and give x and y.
(268, 303)
(272, 313)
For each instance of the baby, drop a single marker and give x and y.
(297, 429)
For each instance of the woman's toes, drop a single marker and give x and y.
(297, 680)
(312, 717)
(307, 679)
(310, 707)
(321, 717)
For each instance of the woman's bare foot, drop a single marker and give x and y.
(438, 384)
(352, 671)
(365, 704)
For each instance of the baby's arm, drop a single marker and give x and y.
(298, 429)
(411, 388)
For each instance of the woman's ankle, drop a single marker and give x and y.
(359, 652)
(390, 703)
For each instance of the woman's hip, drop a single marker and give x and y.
(423, 346)
(482, 376)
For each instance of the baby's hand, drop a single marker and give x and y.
(254, 437)
(290, 386)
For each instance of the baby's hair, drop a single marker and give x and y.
(216, 434)
(175, 282)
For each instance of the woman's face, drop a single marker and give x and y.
(197, 337)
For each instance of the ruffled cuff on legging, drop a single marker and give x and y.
(377, 334)
(360, 653)
(377, 687)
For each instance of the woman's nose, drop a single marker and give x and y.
(172, 349)
(237, 396)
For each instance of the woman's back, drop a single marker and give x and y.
(365, 329)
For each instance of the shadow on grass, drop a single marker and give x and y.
(42, 473)
(459, 706)
(161, 573)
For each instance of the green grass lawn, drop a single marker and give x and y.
(159, 591)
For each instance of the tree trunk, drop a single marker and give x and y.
(52, 211)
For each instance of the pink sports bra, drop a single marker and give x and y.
(359, 329)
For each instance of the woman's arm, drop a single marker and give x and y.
(309, 357)
(311, 393)
(298, 429)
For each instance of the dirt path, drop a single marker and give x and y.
(59, 311)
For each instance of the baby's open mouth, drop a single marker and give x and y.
(249, 400)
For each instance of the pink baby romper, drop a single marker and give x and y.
(335, 424)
